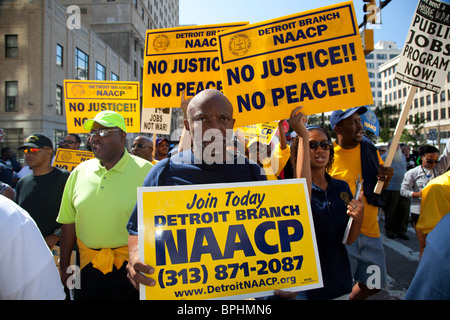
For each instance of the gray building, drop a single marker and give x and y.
(44, 42)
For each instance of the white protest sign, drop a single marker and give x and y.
(424, 62)
(156, 120)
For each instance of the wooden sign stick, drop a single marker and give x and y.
(397, 134)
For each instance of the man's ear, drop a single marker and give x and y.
(186, 124)
(337, 129)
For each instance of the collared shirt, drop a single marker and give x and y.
(329, 211)
(100, 201)
(183, 169)
(417, 178)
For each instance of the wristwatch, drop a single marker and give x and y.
(57, 232)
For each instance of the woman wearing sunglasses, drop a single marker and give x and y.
(417, 178)
(332, 204)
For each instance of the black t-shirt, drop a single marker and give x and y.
(41, 197)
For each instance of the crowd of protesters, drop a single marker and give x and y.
(92, 210)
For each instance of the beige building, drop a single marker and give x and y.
(383, 51)
(42, 43)
(434, 108)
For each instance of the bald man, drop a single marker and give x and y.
(210, 124)
(143, 147)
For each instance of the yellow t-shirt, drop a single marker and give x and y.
(435, 203)
(347, 167)
(277, 162)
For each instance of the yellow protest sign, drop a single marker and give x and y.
(85, 98)
(234, 240)
(69, 159)
(314, 58)
(264, 132)
(181, 59)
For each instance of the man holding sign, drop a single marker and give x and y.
(356, 156)
(209, 112)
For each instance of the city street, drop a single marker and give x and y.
(402, 259)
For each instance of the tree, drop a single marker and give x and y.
(387, 118)
(415, 136)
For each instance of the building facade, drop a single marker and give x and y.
(383, 51)
(39, 48)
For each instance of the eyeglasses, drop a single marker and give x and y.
(102, 132)
(325, 145)
(139, 145)
(431, 161)
(68, 141)
(31, 150)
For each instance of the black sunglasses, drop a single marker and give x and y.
(431, 161)
(325, 145)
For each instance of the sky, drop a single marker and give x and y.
(396, 16)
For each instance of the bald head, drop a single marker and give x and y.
(142, 147)
(212, 113)
(209, 98)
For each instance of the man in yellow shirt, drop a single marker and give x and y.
(355, 156)
(435, 202)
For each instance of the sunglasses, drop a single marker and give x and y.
(431, 161)
(68, 141)
(325, 145)
(31, 150)
(102, 132)
(139, 145)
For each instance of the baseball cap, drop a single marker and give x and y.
(159, 140)
(36, 140)
(339, 115)
(106, 118)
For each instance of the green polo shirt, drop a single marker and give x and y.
(100, 201)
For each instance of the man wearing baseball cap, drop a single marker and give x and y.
(162, 148)
(40, 191)
(355, 156)
(97, 202)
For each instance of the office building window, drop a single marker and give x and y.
(59, 101)
(100, 71)
(11, 46)
(114, 77)
(59, 55)
(11, 93)
(81, 65)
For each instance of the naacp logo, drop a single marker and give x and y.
(346, 197)
(160, 43)
(240, 44)
(65, 156)
(77, 90)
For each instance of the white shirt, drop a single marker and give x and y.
(27, 267)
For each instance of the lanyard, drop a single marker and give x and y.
(428, 175)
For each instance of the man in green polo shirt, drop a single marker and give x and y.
(98, 198)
